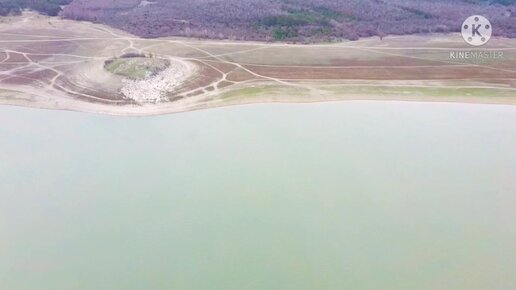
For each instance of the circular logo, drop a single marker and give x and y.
(476, 30)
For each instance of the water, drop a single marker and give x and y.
(356, 195)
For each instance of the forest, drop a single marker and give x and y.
(48, 7)
(278, 20)
(292, 20)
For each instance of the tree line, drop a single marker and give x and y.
(48, 7)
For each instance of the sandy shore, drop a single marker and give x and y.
(192, 105)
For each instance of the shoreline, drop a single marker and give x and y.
(168, 108)
(51, 63)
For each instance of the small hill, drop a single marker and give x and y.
(135, 66)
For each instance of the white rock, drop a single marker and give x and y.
(155, 89)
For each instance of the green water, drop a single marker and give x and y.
(356, 195)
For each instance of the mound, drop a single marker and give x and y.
(137, 68)
(158, 84)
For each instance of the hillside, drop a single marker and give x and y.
(292, 20)
(295, 20)
(48, 7)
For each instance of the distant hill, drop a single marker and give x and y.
(49, 7)
(288, 20)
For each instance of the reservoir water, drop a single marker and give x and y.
(352, 195)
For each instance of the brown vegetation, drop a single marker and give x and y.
(293, 20)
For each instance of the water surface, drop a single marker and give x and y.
(354, 195)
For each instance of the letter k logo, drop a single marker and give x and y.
(474, 30)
